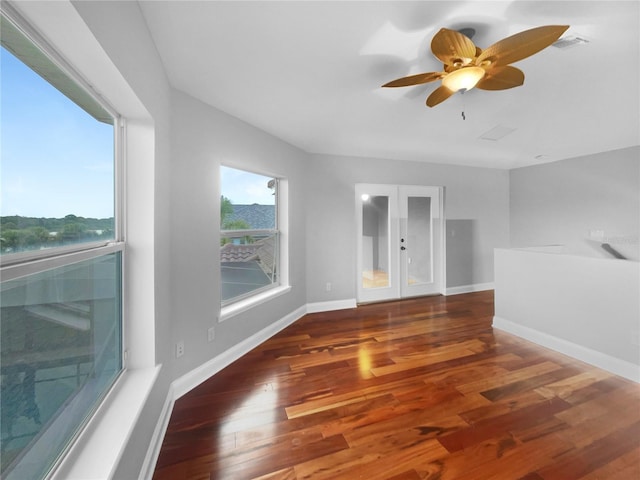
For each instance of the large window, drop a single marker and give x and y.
(249, 235)
(60, 253)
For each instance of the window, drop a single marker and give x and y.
(61, 253)
(249, 234)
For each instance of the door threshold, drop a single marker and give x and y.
(392, 300)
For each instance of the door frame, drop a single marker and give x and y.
(395, 192)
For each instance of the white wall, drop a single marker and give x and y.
(563, 202)
(478, 197)
(585, 307)
(585, 304)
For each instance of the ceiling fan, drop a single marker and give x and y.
(467, 66)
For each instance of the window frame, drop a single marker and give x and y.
(27, 263)
(244, 302)
(38, 41)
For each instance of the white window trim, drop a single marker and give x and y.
(58, 259)
(32, 35)
(109, 429)
(269, 292)
(96, 452)
(245, 304)
(96, 446)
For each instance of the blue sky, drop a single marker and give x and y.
(55, 159)
(245, 188)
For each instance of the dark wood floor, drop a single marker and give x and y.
(417, 389)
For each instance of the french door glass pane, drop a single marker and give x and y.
(419, 240)
(375, 242)
(61, 351)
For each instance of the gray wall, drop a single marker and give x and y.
(190, 141)
(202, 138)
(478, 197)
(565, 202)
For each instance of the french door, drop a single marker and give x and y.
(400, 241)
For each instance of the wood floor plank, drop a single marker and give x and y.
(590, 426)
(502, 457)
(566, 387)
(625, 467)
(597, 454)
(502, 406)
(325, 402)
(515, 460)
(379, 459)
(491, 427)
(422, 388)
(486, 384)
(284, 474)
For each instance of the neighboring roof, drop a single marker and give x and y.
(241, 278)
(257, 216)
(239, 253)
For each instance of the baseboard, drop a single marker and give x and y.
(476, 287)
(195, 377)
(331, 305)
(151, 458)
(190, 380)
(198, 375)
(593, 357)
(205, 371)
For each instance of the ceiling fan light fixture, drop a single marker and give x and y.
(463, 79)
(466, 65)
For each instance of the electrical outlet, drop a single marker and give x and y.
(180, 349)
(211, 334)
(327, 287)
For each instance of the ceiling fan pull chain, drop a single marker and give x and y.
(462, 95)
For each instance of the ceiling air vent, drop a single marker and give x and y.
(496, 133)
(570, 41)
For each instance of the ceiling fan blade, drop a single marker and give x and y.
(521, 45)
(420, 91)
(452, 47)
(439, 95)
(501, 78)
(414, 79)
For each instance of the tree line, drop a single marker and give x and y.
(226, 210)
(18, 233)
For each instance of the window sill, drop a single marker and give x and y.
(99, 446)
(241, 306)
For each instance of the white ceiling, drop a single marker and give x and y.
(310, 74)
